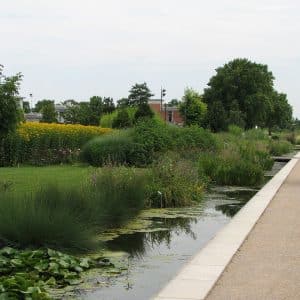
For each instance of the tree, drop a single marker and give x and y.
(9, 90)
(139, 94)
(174, 103)
(122, 103)
(48, 113)
(122, 119)
(192, 108)
(281, 112)
(243, 89)
(96, 110)
(69, 102)
(143, 111)
(41, 103)
(108, 105)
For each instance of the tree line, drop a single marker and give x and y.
(241, 93)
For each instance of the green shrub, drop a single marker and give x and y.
(280, 147)
(235, 130)
(122, 120)
(107, 120)
(174, 182)
(256, 134)
(143, 111)
(61, 217)
(116, 149)
(153, 135)
(230, 170)
(193, 137)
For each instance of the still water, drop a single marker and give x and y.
(155, 257)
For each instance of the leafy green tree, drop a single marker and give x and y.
(71, 114)
(143, 111)
(281, 112)
(192, 108)
(235, 116)
(41, 103)
(96, 110)
(108, 105)
(70, 102)
(9, 114)
(139, 94)
(122, 119)
(84, 113)
(122, 103)
(78, 114)
(49, 114)
(243, 85)
(174, 103)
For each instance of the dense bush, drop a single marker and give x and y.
(107, 120)
(280, 147)
(63, 217)
(41, 143)
(153, 135)
(159, 137)
(143, 111)
(230, 170)
(174, 182)
(122, 120)
(116, 149)
(193, 137)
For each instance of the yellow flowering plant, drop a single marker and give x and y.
(45, 143)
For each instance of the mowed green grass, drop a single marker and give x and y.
(28, 179)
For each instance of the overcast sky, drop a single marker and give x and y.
(71, 49)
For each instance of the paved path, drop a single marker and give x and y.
(267, 266)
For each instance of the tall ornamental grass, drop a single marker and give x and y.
(173, 182)
(60, 217)
(116, 149)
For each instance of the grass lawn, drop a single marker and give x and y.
(27, 179)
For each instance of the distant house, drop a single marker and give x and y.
(33, 117)
(169, 114)
(60, 109)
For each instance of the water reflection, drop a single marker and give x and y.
(230, 209)
(229, 201)
(138, 243)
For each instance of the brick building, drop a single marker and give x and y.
(169, 114)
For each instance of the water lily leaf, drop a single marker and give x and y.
(7, 251)
(16, 262)
(41, 266)
(74, 281)
(84, 263)
(51, 281)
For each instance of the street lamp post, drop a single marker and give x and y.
(30, 95)
(162, 95)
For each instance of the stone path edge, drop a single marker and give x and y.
(195, 280)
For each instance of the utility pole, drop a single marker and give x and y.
(162, 95)
(30, 95)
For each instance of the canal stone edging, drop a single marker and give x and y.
(198, 276)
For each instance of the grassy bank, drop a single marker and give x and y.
(28, 179)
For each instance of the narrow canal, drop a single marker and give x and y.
(154, 254)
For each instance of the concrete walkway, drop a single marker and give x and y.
(267, 265)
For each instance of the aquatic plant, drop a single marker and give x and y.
(64, 217)
(174, 182)
(30, 274)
